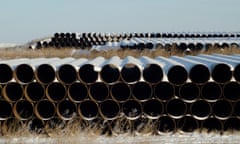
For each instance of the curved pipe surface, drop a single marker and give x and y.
(132, 109)
(153, 108)
(66, 110)
(189, 92)
(231, 91)
(12, 92)
(176, 108)
(5, 110)
(34, 91)
(45, 110)
(98, 91)
(88, 110)
(165, 125)
(164, 91)
(211, 91)
(77, 92)
(222, 109)
(142, 91)
(120, 92)
(23, 110)
(200, 109)
(56, 92)
(109, 109)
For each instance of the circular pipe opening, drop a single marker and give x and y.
(45, 110)
(88, 110)
(231, 91)
(177, 75)
(45, 73)
(24, 73)
(189, 92)
(222, 109)
(152, 73)
(199, 74)
(164, 91)
(67, 74)
(120, 92)
(132, 109)
(232, 124)
(165, 125)
(237, 109)
(200, 109)
(153, 108)
(12, 92)
(6, 73)
(176, 108)
(130, 73)
(5, 110)
(87, 74)
(109, 109)
(222, 73)
(77, 92)
(36, 125)
(110, 74)
(212, 125)
(66, 110)
(34, 92)
(23, 110)
(211, 91)
(99, 91)
(142, 91)
(55, 92)
(188, 124)
(236, 73)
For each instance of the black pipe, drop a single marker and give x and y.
(130, 73)
(45, 110)
(24, 73)
(67, 74)
(132, 109)
(142, 91)
(12, 92)
(211, 91)
(153, 108)
(45, 73)
(177, 75)
(87, 74)
(212, 125)
(109, 109)
(200, 109)
(231, 125)
(199, 74)
(152, 73)
(23, 110)
(66, 110)
(6, 73)
(176, 108)
(88, 110)
(34, 91)
(56, 92)
(77, 92)
(222, 73)
(110, 73)
(98, 91)
(120, 92)
(188, 124)
(164, 91)
(189, 92)
(165, 125)
(231, 91)
(5, 110)
(222, 109)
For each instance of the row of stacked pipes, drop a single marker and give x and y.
(131, 95)
(140, 41)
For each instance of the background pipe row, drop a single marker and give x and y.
(167, 94)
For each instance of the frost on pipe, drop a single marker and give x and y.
(132, 109)
(176, 108)
(189, 92)
(142, 91)
(77, 92)
(165, 125)
(88, 110)
(212, 125)
(231, 125)
(23, 110)
(222, 109)
(67, 74)
(45, 110)
(153, 108)
(66, 110)
(164, 91)
(109, 109)
(98, 91)
(188, 124)
(200, 109)
(5, 110)
(120, 92)
(45, 73)
(34, 91)
(24, 73)
(6, 73)
(211, 91)
(55, 92)
(12, 92)
(231, 91)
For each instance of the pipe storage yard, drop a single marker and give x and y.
(141, 96)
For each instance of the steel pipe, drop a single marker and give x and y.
(176, 108)
(66, 110)
(153, 108)
(5, 110)
(222, 109)
(55, 92)
(12, 92)
(142, 91)
(120, 92)
(109, 109)
(77, 92)
(143, 126)
(165, 125)
(164, 91)
(34, 91)
(211, 91)
(187, 124)
(88, 110)
(212, 125)
(132, 109)
(120, 127)
(98, 91)
(45, 110)
(237, 109)
(231, 91)
(35, 125)
(23, 110)
(189, 92)
(231, 125)
(200, 109)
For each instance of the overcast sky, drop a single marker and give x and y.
(24, 20)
